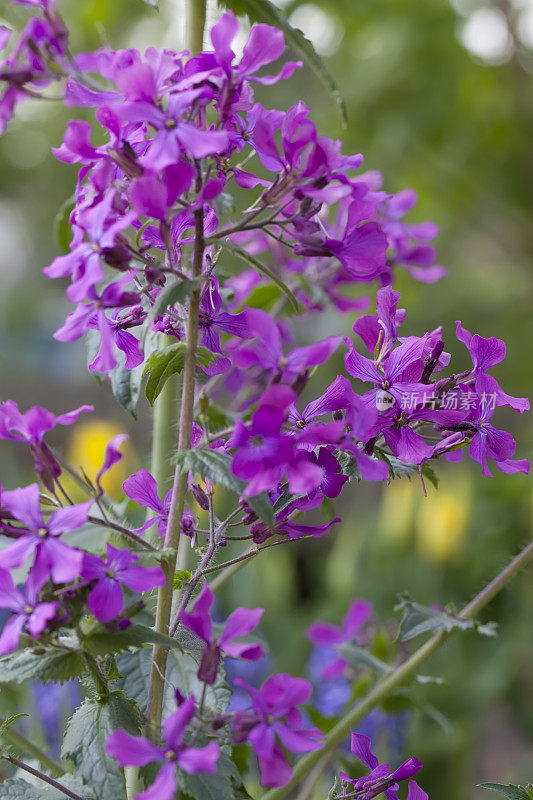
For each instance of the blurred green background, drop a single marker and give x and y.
(440, 98)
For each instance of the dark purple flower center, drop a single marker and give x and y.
(170, 124)
(171, 755)
(300, 423)
(42, 533)
(28, 609)
(385, 385)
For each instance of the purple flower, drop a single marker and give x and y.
(327, 635)
(212, 320)
(92, 315)
(385, 323)
(485, 354)
(240, 622)
(137, 751)
(263, 451)
(52, 556)
(142, 488)
(381, 780)
(105, 600)
(102, 225)
(112, 456)
(399, 375)
(268, 354)
(30, 427)
(27, 611)
(488, 441)
(275, 717)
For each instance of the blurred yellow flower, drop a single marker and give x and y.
(86, 448)
(442, 519)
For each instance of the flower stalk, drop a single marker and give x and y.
(403, 673)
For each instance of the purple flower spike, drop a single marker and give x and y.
(381, 780)
(27, 611)
(240, 622)
(112, 456)
(137, 751)
(105, 599)
(275, 717)
(52, 556)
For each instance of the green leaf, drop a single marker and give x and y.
(54, 666)
(418, 619)
(511, 791)
(205, 786)
(217, 466)
(169, 361)
(429, 473)
(182, 668)
(262, 268)
(10, 720)
(169, 296)
(181, 577)
(265, 11)
(360, 657)
(20, 789)
(85, 740)
(160, 366)
(103, 642)
(126, 386)
(62, 229)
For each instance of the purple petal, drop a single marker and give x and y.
(415, 792)
(40, 617)
(265, 44)
(199, 759)
(69, 518)
(142, 488)
(175, 725)
(240, 622)
(17, 553)
(324, 634)
(142, 579)
(134, 751)
(299, 741)
(199, 621)
(9, 638)
(360, 367)
(65, 562)
(164, 787)
(24, 505)
(360, 747)
(105, 599)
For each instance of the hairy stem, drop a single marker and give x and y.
(403, 673)
(179, 489)
(42, 776)
(31, 749)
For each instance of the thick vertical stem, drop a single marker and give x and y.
(179, 489)
(196, 12)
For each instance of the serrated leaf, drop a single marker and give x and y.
(10, 720)
(19, 789)
(243, 254)
(207, 786)
(418, 619)
(62, 228)
(167, 362)
(182, 668)
(265, 11)
(181, 576)
(360, 657)
(85, 740)
(160, 366)
(169, 296)
(52, 667)
(511, 791)
(217, 466)
(102, 642)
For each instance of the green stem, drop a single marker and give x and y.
(196, 12)
(31, 749)
(400, 675)
(179, 490)
(36, 773)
